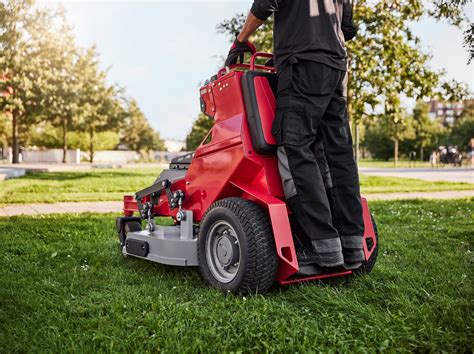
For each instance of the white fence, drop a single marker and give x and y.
(76, 156)
(113, 156)
(50, 155)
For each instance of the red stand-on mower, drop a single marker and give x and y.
(226, 199)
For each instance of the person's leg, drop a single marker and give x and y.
(345, 191)
(295, 130)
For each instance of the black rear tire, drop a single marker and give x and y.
(367, 267)
(251, 229)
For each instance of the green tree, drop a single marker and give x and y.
(137, 133)
(63, 85)
(401, 68)
(100, 108)
(22, 64)
(426, 129)
(48, 136)
(383, 135)
(45, 134)
(107, 140)
(378, 141)
(5, 131)
(56, 84)
(201, 127)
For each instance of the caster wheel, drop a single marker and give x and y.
(130, 226)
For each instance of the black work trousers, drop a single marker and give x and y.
(316, 163)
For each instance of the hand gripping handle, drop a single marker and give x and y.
(251, 66)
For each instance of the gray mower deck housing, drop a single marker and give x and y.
(173, 245)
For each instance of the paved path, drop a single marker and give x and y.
(7, 173)
(116, 207)
(60, 208)
(463, 174)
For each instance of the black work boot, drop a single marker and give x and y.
(353, 251)
(306, 257)
(328, 252)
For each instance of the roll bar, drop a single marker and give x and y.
(251, 65)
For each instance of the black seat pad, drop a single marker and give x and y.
(260, 133)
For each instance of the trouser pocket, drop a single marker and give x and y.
(290, 128)
(285, 78)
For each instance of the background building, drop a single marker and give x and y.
(447, 112)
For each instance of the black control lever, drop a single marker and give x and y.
(175, 199)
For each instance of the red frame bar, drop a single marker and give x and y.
(315, 277)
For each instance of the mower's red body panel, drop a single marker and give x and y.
(232, 161)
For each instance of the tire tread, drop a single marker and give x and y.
(262, 262)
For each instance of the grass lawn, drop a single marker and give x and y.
(112, 184)
(64, 287)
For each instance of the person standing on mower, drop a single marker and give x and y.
(311, 60)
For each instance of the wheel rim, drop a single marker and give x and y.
(223, 251)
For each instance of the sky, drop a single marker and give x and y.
(161, 51)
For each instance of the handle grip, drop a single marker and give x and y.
(251, 66)
(260, 55)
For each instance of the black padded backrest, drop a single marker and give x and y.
(260, 127)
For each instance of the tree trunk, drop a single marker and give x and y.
(91, 145)
(421, 153)
(15, 142)
(395, 153)
(64, 140)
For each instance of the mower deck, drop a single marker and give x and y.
(172, 245)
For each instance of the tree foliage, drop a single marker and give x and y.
(22, 65)
(5, 130)
(427, 130)
(429, 133)
(100, 108)
(62, 84)
(137, 133)
(378, 141)
(54, 82)
(201, 127)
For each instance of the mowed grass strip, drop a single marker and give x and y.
(65, 287)
(402, 163)
(99, 185)
(112, 184)
(376, 184)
